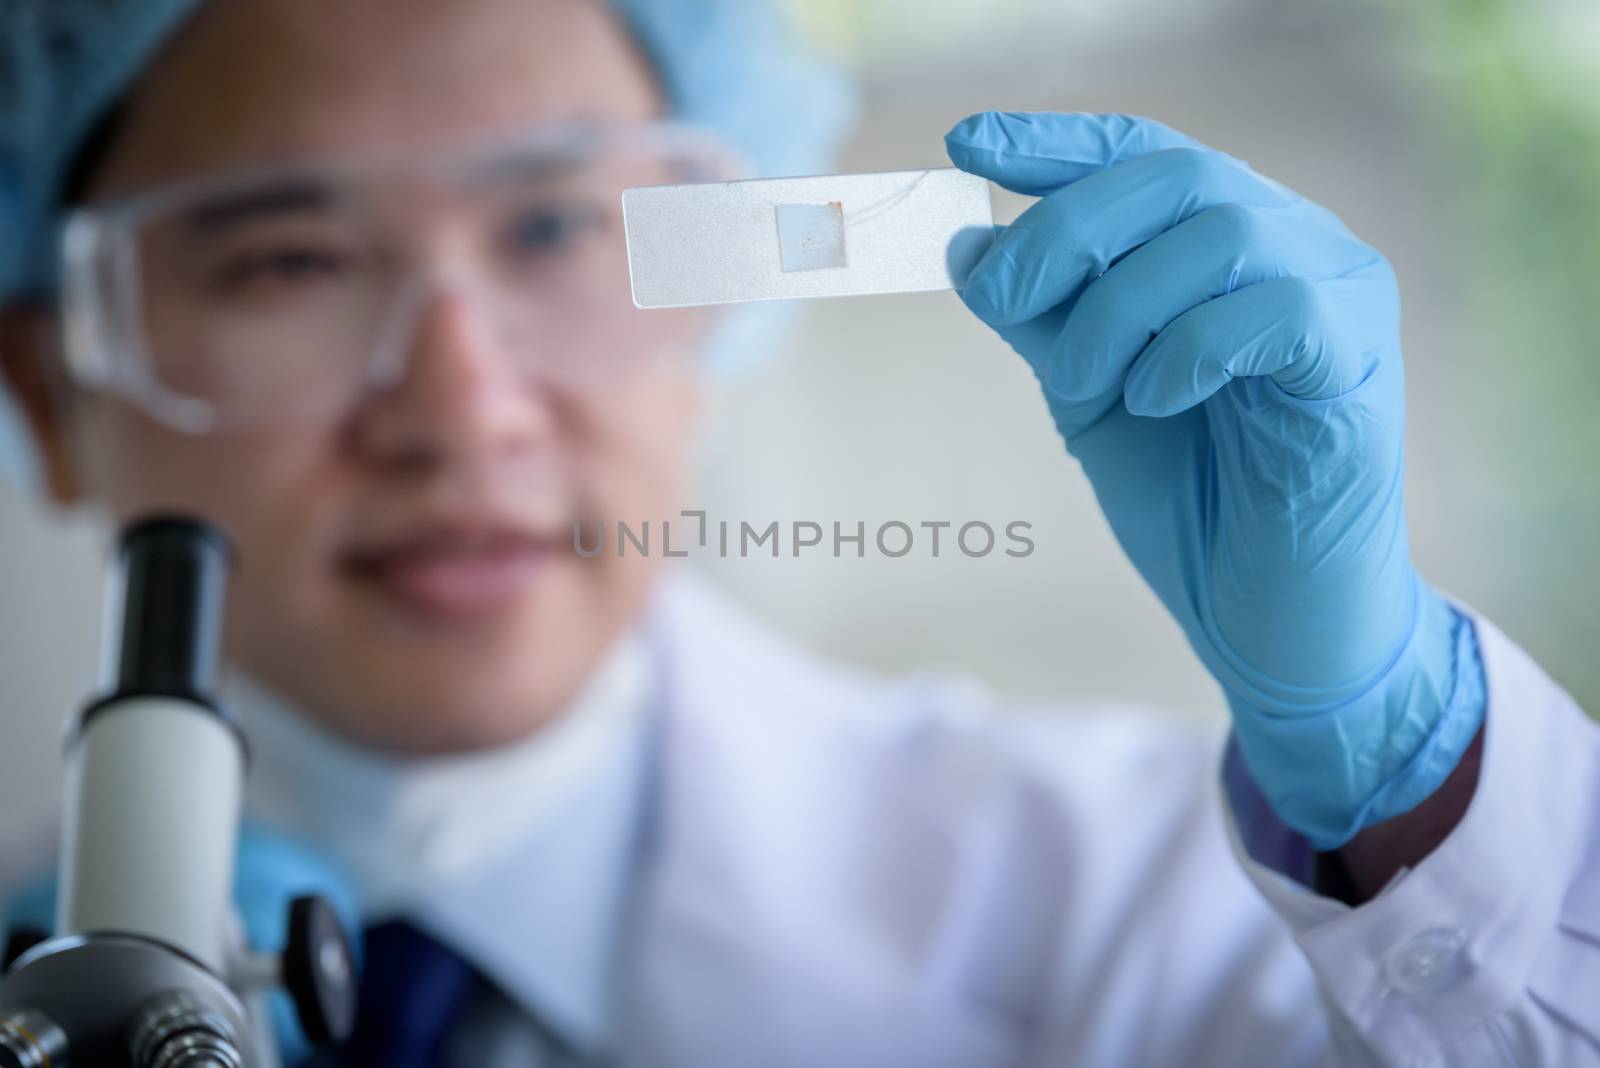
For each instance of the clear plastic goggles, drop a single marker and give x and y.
(289, 295)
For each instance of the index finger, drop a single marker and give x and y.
(1036, 152)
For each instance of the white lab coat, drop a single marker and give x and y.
(849, 872)
(856, 873)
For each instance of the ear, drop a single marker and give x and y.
(31, 363)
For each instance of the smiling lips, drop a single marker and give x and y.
(454, 572)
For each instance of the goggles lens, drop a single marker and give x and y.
(293, 294)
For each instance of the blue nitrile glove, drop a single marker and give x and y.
(270, 871)
(1223, 357)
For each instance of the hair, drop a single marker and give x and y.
(89, 157)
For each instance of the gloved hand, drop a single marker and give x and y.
(1223, 358)
(270, 870)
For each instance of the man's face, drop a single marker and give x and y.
(407, 565)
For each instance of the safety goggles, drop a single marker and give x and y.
(289, 295)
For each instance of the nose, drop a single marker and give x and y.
(458, 400)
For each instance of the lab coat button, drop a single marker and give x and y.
(1429, 962)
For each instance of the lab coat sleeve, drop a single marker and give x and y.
(1487, 953)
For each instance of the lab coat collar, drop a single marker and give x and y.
(517, 858)
(677, 889)
(759, 937)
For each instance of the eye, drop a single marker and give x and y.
(554, 228)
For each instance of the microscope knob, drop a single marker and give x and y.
(29, 1039)
(19, 940)
(319, 971)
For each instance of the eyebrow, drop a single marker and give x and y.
(234, 209)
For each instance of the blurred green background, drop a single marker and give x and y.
(1518, 91)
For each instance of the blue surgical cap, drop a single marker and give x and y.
(729, 65)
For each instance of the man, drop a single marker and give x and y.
(347, 278)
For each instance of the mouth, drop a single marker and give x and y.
(455, 572)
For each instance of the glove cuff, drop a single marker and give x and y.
(1331, 773)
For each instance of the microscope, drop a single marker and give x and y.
(148, 965)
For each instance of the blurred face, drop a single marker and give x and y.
(407, 563)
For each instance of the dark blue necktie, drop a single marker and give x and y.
(413, 993)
